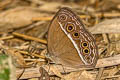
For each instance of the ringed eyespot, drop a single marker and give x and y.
(86, 51)
(70, 27)
(76, 34)
(63, 17)
(84, 44)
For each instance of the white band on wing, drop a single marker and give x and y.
(75, 45)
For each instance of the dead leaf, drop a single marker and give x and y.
(17, 18)
(86, 76)
(107, 26)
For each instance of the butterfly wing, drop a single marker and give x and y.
(69, 43)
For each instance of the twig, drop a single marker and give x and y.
(7, 37)
(81, 16)
(36, 55)
(49, 18)
(107, 14)
(99, 74)
(29, 37)
(108, 77)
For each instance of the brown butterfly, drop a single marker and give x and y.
(69, 43)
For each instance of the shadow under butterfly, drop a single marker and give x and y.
(69, 43)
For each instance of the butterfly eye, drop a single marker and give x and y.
(84, 44)
(86, 50)
(70, 28)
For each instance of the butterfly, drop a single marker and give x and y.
(69, 43)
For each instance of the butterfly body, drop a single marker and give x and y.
(69, 43)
